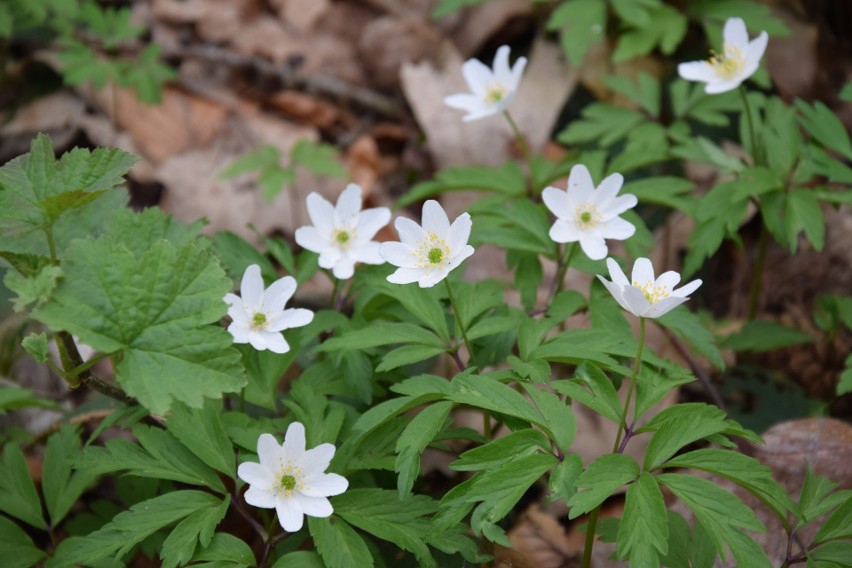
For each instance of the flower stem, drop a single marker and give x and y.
(563, 262)
(525, 149)
(757, 275)
(756, 154)
(459, 321)
(617, 447)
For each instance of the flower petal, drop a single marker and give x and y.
(564, 231)
(294, 442)
(735, 34)
(477, 75)
(367, 253)
(370, 221)
(618, 205)
(329, 257)
(502, 72)
(290, 318)
(435, 219)
(291, 517)
(268, 451)
(344, 268)
(348, 205)
(459, 232)
(257, 497)
(664, 306)
(668, 280)
(482, 113)
(398, 254)
(607, 190)
(240, 331)
(460, 256)
(321, 213)
(637, 303)
(615, 272)
(717, 87)
(256, 475)
(434, 276)
(406, 275)
(257, 339)
(275, 342)
(594, 246)
(643, 272)
(617, 229)
(315, 506)
(517, 72)
(466, 102)
(754, 53)
(316, 460)
(580, 184)
(697, 71)
(616, 291)
(310, 239)
(410, 233)
(326, 485)
(251, 287)
(687, 289)
(278, 293)
(556, 201)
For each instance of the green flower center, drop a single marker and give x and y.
(435, 255)
(495, 93)
(288, 482)
(585, 216)
(342, 237)
(258, 320)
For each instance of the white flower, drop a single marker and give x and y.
(588, 214)
(341, 233)
(290, 479)
(491, 90)
(738, 61)
(644, 296)
(259, 316)
(427, 254)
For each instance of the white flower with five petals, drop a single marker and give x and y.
(738, 60)
(491, 90)
(259, 316)
(341, 234)
(588, 214)
(427, 254)
(643, 295)
(291, 479)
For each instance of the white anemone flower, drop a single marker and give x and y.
(491, 90)
(427, 254)
(588, 214)
(643, 296)
(737, 62)
(291, 479)
(341, 234)
(259, 316)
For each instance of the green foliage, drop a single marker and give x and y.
(18, 495)
(765, 336)
(17, 547)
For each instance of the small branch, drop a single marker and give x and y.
(68, 351)
(238, 505)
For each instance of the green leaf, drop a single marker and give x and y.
(643, 531)
(154, 301)
(653, 385)
(197, 528)
(559, 420)
(817, 497)
(406, 355)
(678, 426)
(833, 554)
(688, 327)
(446, 7)
(824, 125)
(261, 158)
(602, 124)
(201, 431)
(507, 180)
(499, 451)
(32, 289)
(592, 388)
(147, 75)
(131, 527)
(380, 513)
(719, 512)
(665, 28)
(17, 547)
(645, 93)
(61, 487)
(582, 23)
(563, 478)
(537, 370)
(12, 398)
(480, 391)
(414, 439)
(804, 214)
(225, 551)
(838, 525)
(237, 254)
(765, 336)
(338, 544)
(634, 12)
(321, 159)
(378, 333)
(18, 496)
(36, 345)
(602, 478)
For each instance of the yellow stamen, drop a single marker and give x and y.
(495, 93)
(587, 216)
(653, 293)
(729, 64)
(433, 252)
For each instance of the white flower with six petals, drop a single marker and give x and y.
(588, 214)
(259, 316)
(341, 234)
(491, 90)
(738, 61)
(427, 254)
(291, 479)
(643, 295)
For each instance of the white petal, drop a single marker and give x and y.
(370, 221)
(433, 277)
(257, 339)
(256, 475)
(618, 205)
(290, 514)
(268, 451)
(348, 205)
(251, 287)
(330, 257)
(754, 53)
(315, 506)
(344, 268)
(664, 306)
(290, 318)
(316, 459)
(309, 239)
(465, 101)
(643, 272)
(321, 213)
(607, 190)
(240, 332)
(435, 218)
(263, 498)
(459, 232)
(410, 232)
(398, 254)
(326, 485)
(637, 303)
(564, 231)
(278, 293)
(236, 310)
(477, 75)
(556, 201)
(460, 256)
(517, 72)
(735, 33)
(275, 342)
(406, 275)
(367, 253)
(482, 113)
(617, 229)
(594, 246)
(687, 289)
(580, 184)
(697, 71)
(502, 72)
(615, 272)
(615, 290)
(668, 279)
(717, 87)
(294, 442)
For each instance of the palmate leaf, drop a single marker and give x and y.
(151, 299)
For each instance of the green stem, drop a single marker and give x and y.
(80, 368)
(757, 275)
(51, 245)
(564, 263)
(593, 517)
(71, 359)
(459, 321)
(756, 154)
(525, 149)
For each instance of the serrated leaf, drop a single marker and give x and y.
(481, 391)
(155, 306)
(645, 92)
(654, 384)
(381, 333)
(824, 125)
(36, 345)
(592, 388)
(666, 27)
(131, 527)
(258, 159)
(201, 431)
(225, 551)
(563, 477)
(602, 124)
(62, 487)
(602, 478)
(32, 289)
(501, 450)
(12, 398)
(838, 525)
(197, 528)
(16, 546)
(18, 496)
(559, 422)
(338, 544)
(643, 531)
(804, 214)
(146, 75)
(414, 439)
(678, 426)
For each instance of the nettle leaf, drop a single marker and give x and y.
(643, 531)
(32, 289)
(62, 487)
(603, 477)
(18, 495)
(154, 302)
(131, 527)
(414, 439)
(36, 345)
(338, 544)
